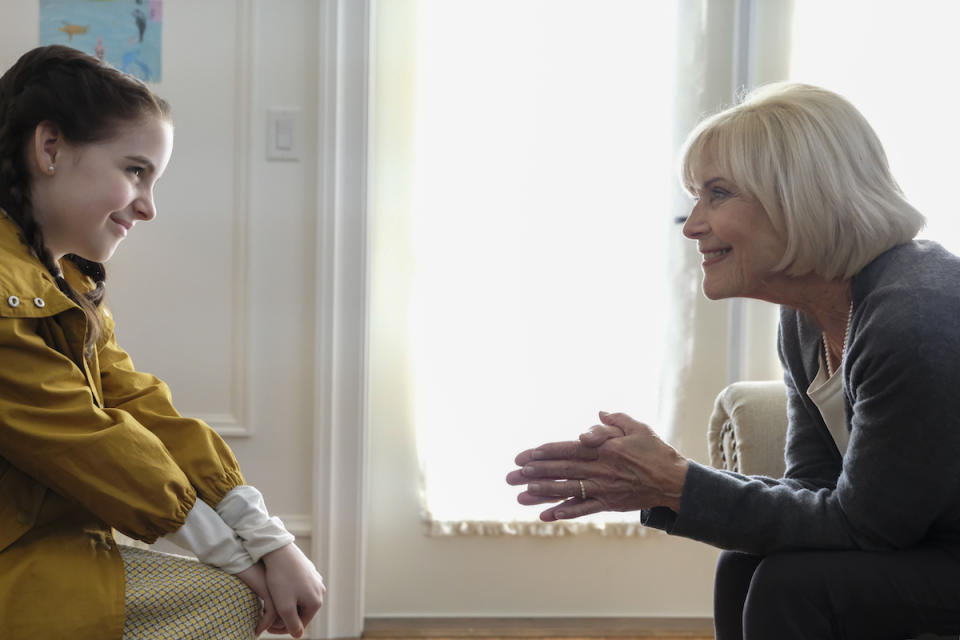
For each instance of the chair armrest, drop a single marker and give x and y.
(748, 428)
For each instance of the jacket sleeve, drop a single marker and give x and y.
(52, 430)
(898, 483)
(198, 450)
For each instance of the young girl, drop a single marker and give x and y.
(87, 443)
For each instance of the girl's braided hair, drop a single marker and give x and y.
(88, 101)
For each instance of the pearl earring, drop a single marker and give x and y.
(52, 168)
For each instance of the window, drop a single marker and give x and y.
(896, 62)
(532, 248)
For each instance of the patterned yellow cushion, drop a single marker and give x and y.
(173, 597)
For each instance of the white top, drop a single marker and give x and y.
(244, 511)
(827, 394)
(210, 539)
(235, 535)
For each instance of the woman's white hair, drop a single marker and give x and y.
(818, 169)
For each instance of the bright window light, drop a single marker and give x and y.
(543, 176)
(896, 61)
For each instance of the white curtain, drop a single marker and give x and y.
(531, 259)
(526, 269)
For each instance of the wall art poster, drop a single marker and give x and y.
(124, 33)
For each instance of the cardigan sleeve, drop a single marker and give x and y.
(52, 429)
(198, 450)
(898, 483)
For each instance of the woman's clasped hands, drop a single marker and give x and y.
(618, 465)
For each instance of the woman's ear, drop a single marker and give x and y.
(47, 144)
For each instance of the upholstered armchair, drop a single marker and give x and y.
(747, 432)
(748, 428)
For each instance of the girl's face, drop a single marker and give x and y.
(97, 192)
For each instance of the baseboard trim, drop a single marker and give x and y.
(593, 627)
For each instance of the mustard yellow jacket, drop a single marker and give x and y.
(85, 446)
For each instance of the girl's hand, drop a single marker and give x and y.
(256, 578)
(296, 587)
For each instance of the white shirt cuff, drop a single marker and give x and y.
(211, 540)
(244, 510)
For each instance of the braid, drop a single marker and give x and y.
(87, 100)
(96, 272)
(88, 302)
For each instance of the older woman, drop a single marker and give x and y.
(795, 205)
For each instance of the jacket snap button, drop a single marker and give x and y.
(23, 517)
(13, 301)
(39, 302)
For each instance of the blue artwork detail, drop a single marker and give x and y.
(124, 33)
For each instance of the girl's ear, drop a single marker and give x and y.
(47, 144)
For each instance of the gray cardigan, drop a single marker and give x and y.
(899, 484)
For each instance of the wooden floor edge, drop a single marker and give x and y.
(532, 627)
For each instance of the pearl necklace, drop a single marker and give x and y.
(843, 350)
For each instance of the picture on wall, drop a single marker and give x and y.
(124, 33)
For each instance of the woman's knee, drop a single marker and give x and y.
(733, 577)
(735, 567)
(785, 579)
(788, 594)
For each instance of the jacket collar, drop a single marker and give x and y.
(26, 287)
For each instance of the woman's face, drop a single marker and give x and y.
(739, 245)
(97, 192)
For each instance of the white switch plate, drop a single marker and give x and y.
(283, 133)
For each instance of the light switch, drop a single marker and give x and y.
(283, 130)
(284, 134)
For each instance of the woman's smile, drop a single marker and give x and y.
(713, 256)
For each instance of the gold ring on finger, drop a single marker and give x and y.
(583, 490)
